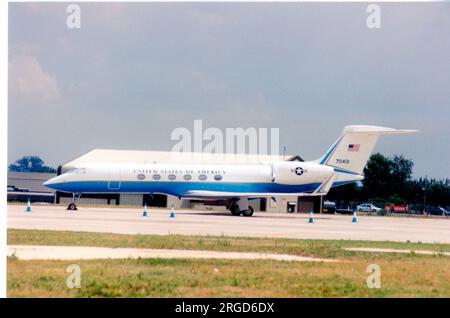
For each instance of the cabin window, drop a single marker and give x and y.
(156, 177)
(172, 177)
(202, 177)
(187, 177)
(217, 177)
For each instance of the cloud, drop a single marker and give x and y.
(135, 71)
(28, 81)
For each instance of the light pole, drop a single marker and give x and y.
(424, 200)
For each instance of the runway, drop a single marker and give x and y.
(262, 224)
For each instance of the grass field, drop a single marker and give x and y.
(318, 248)
(402, 275)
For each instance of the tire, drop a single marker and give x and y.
(248, 212)
(72, 207)
(235, 210)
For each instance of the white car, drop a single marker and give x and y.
(367, 207)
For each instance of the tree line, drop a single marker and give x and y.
(30, 164)
(389, 181)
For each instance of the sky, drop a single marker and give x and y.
(134, 72)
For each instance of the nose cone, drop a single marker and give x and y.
(50, 183)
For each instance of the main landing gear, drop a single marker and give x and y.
(72, 205)
(238, 207)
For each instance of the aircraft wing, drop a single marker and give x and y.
(326, 185)
(217, 195)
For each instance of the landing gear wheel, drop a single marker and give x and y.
(235, 210)
(248, 212)
(72, 207)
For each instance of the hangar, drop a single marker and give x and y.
(280, 204)
(24, 186)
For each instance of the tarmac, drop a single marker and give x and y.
(261, 224)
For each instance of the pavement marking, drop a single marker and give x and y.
(392, 250)
(46, 252)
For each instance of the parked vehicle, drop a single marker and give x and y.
(437, 210)
(344, 210)
(329, 207)
(368, 207)
(397, 208)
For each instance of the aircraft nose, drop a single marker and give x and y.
(50, 183)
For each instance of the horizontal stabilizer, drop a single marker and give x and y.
(378, 130)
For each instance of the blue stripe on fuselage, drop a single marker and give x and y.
(179, 188)
(345, 171)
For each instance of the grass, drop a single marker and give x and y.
(223, 278)
(402, 275)
(318, 248)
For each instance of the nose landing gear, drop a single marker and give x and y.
(72, 205)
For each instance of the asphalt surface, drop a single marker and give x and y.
(262, 224)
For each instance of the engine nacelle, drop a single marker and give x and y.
(294, 172)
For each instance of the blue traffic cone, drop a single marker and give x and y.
(145, 210)
(172, 213)
(354, 216)
(311, 220)
(28, 206)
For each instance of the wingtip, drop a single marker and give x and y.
(377, 130)
(407, 131)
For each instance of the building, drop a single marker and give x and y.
(280, 204)
(28, 185)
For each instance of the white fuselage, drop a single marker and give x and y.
(181, 179)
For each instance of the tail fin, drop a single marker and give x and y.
(353, 148)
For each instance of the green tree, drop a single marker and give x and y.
(438, 192)
(377, 181)
(401, 170)
(385, 180)
(388, 180)
(30, 164)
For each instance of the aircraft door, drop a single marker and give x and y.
(114, 178)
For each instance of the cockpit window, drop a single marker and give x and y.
(81, 171)
(77, 170)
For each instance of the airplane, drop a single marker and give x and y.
(343, 163)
